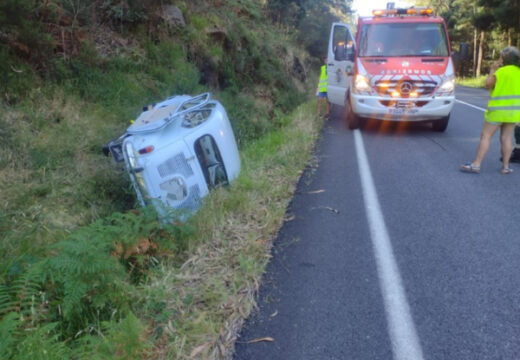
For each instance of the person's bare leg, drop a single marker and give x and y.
(319, 106)
(506, 133)
(488, 130)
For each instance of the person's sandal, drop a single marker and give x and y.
(506, 171)
(469, 168)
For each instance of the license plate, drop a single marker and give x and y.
(401, 111)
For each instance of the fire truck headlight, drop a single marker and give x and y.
(361, 84)
(448, 85)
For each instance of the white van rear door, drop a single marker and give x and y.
(340, 62)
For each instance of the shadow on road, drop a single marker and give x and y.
(392, 128)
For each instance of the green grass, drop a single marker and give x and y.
(192, 288)
(213, 291)
(72, 283)
(475, 82)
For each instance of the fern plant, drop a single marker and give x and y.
(39, 343)
(85, 281)
(24, 296)
(121, 340)
(83, 289)
(88, 275)
(42, 343)
(8, 334)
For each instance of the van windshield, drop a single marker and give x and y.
(403, 39)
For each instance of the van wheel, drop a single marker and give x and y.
(441, 124)
(353, 121)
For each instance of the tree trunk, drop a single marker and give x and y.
(480, 51)
(475, 41)
(509, 38)
(517, 30)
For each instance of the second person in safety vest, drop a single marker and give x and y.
(322, 89)
(503, 110)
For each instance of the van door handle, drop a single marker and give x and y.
(330, 64)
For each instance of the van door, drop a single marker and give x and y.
(340, 62)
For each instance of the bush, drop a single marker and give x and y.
(88, 280)
(17, 78)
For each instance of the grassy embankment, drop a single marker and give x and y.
(82, 274)
(187, 295)
(476, 82)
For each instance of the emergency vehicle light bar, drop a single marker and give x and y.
(410, 11)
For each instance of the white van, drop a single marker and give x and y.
(177, 150)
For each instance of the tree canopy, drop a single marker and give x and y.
(487, 26)
(311, 19)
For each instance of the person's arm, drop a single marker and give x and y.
(492, 79)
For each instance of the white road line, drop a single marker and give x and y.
(470, 105)
(405, 342)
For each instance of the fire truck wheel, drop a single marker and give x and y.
(353, 121)
(441, 124)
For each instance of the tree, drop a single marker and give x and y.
(311, 19)
(482, 22)
(507, 15)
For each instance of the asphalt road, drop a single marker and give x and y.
(425, 267)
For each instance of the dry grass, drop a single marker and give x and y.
(50, 165)
(204, 302)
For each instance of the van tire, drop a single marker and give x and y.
(441, 124)
(353, 121)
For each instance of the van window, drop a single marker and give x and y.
(406, 39)
(343, 43)
(210, 161)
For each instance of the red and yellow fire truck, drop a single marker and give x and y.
(398, 68)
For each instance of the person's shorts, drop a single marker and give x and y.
(322, 94)
(494, 123)
(498, 123)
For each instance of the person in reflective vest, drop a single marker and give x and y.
(322, 89)
(503, 110)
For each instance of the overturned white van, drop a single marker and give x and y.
(177, 151)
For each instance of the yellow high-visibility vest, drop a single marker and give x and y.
(322, 85)
(504, 102)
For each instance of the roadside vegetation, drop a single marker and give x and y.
(475, 82)
(126, 286)
(84, 274)
(479, 30)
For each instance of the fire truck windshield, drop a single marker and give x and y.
(403, 39)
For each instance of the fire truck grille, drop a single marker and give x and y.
(404, 88)
(175, 165)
